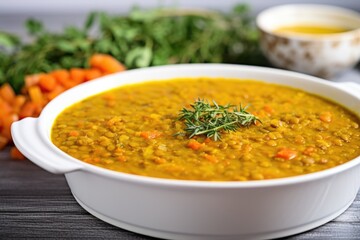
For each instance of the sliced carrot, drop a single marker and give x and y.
(92, 73)
(109, 97)
(27, 110)
(121, 158)
(106, 63)
(309, 150)
(47, 82)
(268, 109)
(74, 133)
(7, 93)
(159, 160)
(286, 153)
(150, 134)
(16, 154)
(3, 142)
(194, 145)
(326, 117)
(211, 158)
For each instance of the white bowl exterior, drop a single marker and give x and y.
(206, 210)
(181, 212)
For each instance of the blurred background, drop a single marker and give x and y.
(57, 14)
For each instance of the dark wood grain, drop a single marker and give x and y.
(36, 204)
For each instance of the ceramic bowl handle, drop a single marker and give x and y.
(27, 139)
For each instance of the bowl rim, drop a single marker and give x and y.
(309, 37)
(166, 182)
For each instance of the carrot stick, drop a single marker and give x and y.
(27, 110)
(69, 84)
(55, 92)
(19, 102)
(7, 93)
(61, 75)
(16, 154)
(92, 73)
(77, 75)
(41, 88)
(31, 80)
(5, 107)
(63, 78)
(3, 142)
(6, 125)
(36, 96)
(47, 82)
(106, 63)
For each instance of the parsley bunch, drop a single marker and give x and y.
(139, 39)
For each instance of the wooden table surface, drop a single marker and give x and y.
(37, 204)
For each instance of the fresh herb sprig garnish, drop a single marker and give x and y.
(211, 120)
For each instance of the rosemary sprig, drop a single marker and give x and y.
(211, 120)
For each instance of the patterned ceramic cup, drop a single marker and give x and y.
(320, 55)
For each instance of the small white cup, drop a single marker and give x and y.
(320, 55)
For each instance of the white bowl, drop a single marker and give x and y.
(179, 209)
(320, 55)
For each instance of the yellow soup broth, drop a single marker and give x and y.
(310, 29)
(133, 129)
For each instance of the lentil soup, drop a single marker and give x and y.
(133, 129)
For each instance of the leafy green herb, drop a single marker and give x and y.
(34, 27)
(142, 38)
(8, 40)
(211, 120)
